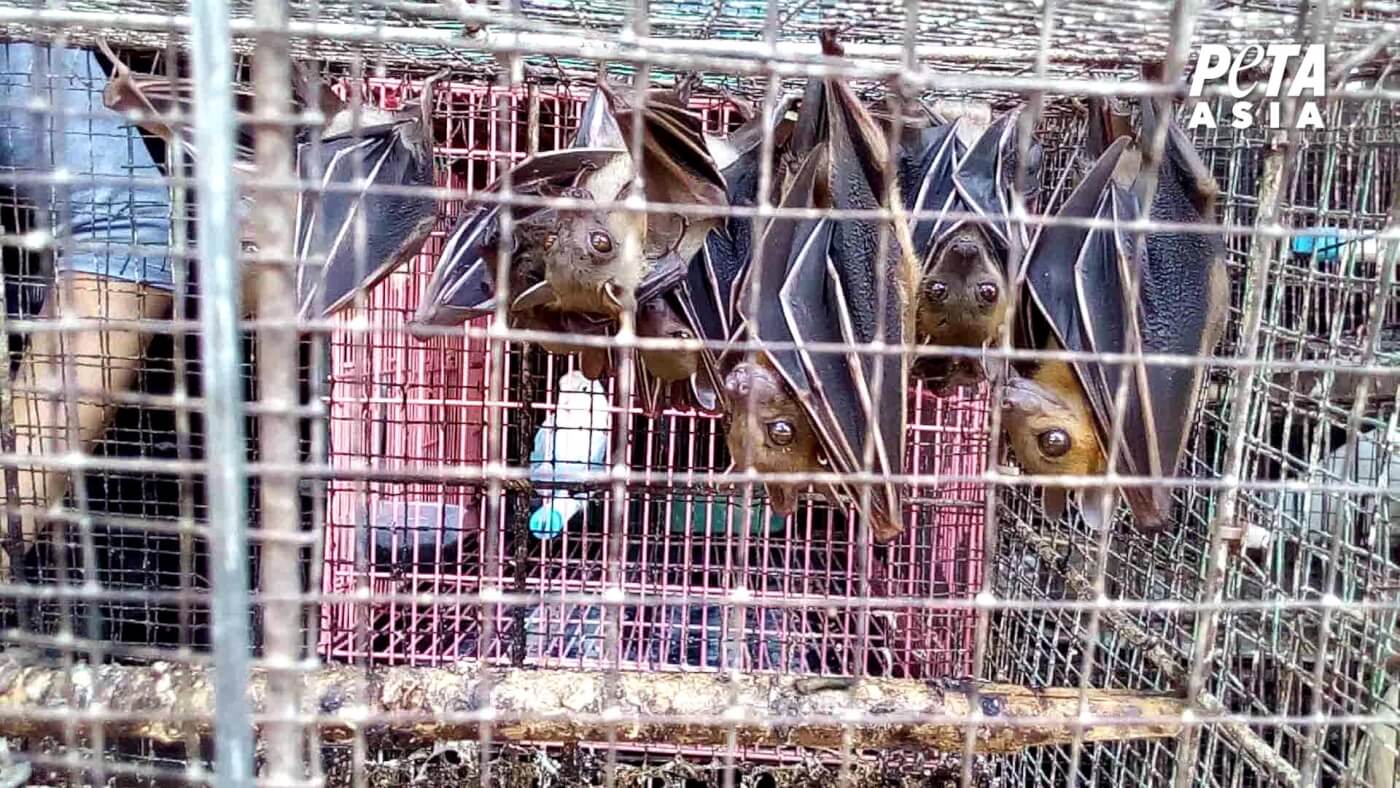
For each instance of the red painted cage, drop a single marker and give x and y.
(397, 403)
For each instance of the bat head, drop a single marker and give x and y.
(584, 262)
(770, 432)
(1049, 425)
(657, 320)
(962, 294)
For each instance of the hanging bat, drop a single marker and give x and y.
(463, 285)
(369, 150)
(823, 280)
(588, 270)
(548, 241)
(396, 151)
(1059, 416)
(963, 290)
(584, 268)
(703, 305)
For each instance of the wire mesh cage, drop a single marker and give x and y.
(248, 481)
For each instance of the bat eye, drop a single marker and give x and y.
(682, 334)
(780, 432)
(601, 242)
(987, 292)
(550, 240)
(1054, 443)
(938, 290)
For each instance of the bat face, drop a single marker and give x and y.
(656, 319)
(585, 266)
(1049, 424)
(963, 290)
(769, 430)
(962, 296)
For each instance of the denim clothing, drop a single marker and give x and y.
(105, 221)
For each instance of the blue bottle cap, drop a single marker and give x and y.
(546, 522)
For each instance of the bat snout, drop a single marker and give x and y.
(1022, 397)
(739, 382)
(964, 249)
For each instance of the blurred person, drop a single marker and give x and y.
(111, 224)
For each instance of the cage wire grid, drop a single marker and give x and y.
(354, 504)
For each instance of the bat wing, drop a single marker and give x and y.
(666, 273)
(935, 184)
(760, 307)
(985, 174)
(395, 224)
(1052, 307)
(708, 282)
(1102, 273)
(729, 248)
(868, 295)
(809, 300)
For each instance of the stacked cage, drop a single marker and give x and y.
(373, 509)
(407, 406)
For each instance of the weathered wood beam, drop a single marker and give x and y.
(162, 701)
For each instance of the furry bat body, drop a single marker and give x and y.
(824, 280)
(1076, 279)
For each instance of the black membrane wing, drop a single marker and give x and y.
(395, 225)
(1102, 276)
(706, 293)
(810, 300)
(779, 248)
(666, 273)
(935, 186)
(867, 285)
(983, 178)
(1049, 271)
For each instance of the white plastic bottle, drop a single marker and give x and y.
(572, 441)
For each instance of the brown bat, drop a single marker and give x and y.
(386, 149)
(821, 280)
(963, 291)
(1076, 280)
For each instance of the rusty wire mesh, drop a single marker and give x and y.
(339, 492)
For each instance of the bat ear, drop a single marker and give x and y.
(1096, 506)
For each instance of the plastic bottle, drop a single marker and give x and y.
(572, 441)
